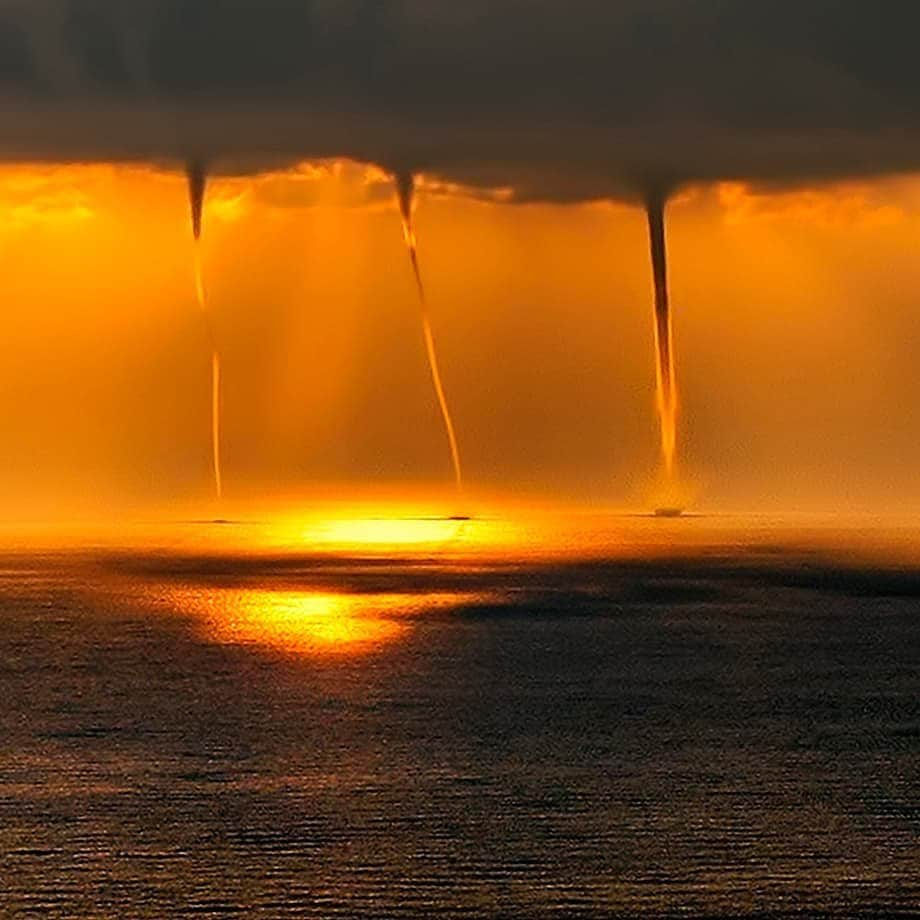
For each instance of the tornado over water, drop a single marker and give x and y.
(405, 187)
(196, 172)
(664, 342)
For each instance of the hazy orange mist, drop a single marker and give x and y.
(797, 334)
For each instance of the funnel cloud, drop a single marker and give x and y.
(197, 174)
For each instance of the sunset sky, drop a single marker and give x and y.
(784, 138)
(794, 310)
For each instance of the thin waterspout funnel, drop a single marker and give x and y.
(405, 187)
(197, 174)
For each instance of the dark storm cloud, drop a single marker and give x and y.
(562, 99)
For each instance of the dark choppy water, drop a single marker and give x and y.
(729, 728)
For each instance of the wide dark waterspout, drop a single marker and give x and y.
(655, 204)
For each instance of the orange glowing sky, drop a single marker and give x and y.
(795, 324)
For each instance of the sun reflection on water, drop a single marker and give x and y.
(305, 622)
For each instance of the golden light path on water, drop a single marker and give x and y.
(335, 616)
(352, 581)
(364, 579)
(381, 532)
(305, 622)
(333, 580)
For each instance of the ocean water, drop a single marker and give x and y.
(582, 716)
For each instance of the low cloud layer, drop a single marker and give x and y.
(557, 99)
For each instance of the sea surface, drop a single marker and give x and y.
(565, 716)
